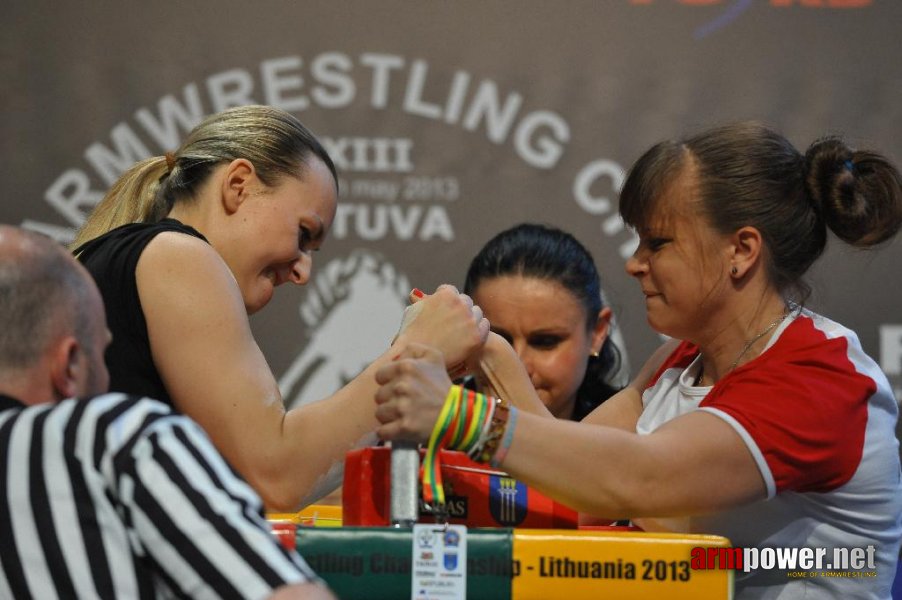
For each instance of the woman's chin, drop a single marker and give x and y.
(260, 299)
(660, 326)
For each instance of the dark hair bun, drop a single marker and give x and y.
(858, 193)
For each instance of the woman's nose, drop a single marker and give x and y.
(299, 272)
(636, 265)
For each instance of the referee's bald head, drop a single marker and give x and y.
(45, 294)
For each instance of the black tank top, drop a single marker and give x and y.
(112, 259)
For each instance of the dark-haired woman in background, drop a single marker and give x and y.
(540, 290)
(760, 421)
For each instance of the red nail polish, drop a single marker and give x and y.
(418, 293)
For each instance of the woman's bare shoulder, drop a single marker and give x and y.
(182, 270)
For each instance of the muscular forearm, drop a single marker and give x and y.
(316, 437)
(590, 468)
(692, 465)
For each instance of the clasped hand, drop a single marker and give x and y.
(411, 394)
(442, 331)
(446, 320)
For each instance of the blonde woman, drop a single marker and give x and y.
(185, 246)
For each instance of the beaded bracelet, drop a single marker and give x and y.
(496, 431)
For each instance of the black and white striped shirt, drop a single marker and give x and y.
(118, 497)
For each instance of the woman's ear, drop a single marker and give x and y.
(601, 329)
(745, 250)
(238, 179)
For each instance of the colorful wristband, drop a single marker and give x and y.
(430, 470)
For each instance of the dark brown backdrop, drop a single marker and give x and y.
(449, 121)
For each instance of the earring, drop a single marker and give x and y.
(734, 271)
(594, 354)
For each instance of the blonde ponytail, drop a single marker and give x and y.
(132, 199)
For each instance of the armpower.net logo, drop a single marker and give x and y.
(796, 562)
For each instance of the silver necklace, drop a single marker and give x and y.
(751, 342)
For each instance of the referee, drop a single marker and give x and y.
(116, 496)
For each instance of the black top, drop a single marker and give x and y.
(112, 259)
